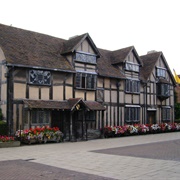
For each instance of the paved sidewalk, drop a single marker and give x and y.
(134, 157)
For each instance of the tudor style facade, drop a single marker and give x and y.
(78, 87)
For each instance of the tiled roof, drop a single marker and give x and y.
(107, 63)
(31, 49)
(149, 61)
(27, 48)
(73, 43)
(63, 105)
(105, 67)
(93, 105)
(120, 55)
(47, 104)
(69, 45)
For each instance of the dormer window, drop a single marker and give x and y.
(129, 66)
(85, 57)
(160, 72)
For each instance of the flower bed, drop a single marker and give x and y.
(6, 138)
(8, 141)
(39, 135)
(137, 129)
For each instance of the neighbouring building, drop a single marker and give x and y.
(78, 87)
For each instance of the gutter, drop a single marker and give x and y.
(37, 67)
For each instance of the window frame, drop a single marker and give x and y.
(132, 114)
(40, 117)
(132, 86)
(161, 87)
(166, 114)
(45, 75)
(84, 80)
(90, 116)
(161, 72)
(130, 66)
(85, 57)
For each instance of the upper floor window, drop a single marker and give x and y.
(132, 86)
(163, 90)
(160, 72)
(85, 57)
(40, 77)
(85, 80)
(129, 66)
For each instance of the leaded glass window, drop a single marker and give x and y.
(132, 114)
(132, 86)
(86, 58)
(132, 67)
(40, 77)
(166, 114)
(160, 72)
(163, 90)
(40, 117)
(85, 80)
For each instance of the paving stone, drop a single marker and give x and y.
(25, 170)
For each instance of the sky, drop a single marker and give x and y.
(112, 24)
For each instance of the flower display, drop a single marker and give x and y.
(6, 138)
(116, 131)
(39, 134)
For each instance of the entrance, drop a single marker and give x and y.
(61, 119)
(79, 124)
(151, 115)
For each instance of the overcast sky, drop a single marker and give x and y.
(112, 24)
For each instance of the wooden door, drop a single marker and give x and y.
(151, 117)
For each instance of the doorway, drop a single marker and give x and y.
(151, 117)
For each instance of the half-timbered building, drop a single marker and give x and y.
(78, 87)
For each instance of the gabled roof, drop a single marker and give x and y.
(31, 49)
(72, 44)
(107, 63)
(149, 62)
(73, 102)
(120, 55)
(105, 67)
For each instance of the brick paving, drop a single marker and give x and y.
(25, 170)
(167, 150)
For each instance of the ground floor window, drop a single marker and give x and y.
(132, 114)
(40, 118)
(91, 115)
(166, 113)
